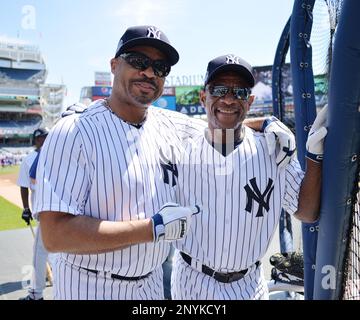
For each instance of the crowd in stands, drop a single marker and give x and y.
(13, 157)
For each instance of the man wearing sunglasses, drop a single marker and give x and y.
(229, 172)
(107, 180)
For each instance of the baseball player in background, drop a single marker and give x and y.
(231, 174)
(40, 254)
(104, 186)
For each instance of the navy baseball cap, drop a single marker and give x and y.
(40, 133)
(147, 36)
(230, 62)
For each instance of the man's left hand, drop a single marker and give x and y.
(277, 133)
(27, 215)
(316, 137)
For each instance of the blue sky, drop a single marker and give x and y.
(79, 37)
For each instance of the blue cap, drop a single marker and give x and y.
(40, 133)
(230, 62)
(147, 36)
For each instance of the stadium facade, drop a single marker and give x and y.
(26, 102)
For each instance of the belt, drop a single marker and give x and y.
(219, 276)
(116, 276)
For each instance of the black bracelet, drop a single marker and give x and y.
(314, 157)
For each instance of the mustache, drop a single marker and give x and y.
(149, 81)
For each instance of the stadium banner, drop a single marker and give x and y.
(16, 97)
(263, 103)
(188, 100)
(103, 79)
(101, 92)
(166, 102)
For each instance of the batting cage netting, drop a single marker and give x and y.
(325, 19)
(313, 25)
(351, 280)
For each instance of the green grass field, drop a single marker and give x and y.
(10, 216)
(9, 170)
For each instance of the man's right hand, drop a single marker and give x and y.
(27, 215)
(172, 222)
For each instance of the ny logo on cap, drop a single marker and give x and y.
(232, 59)
(153, 32)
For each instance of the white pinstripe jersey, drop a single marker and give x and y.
(97, 165)
(241, 196)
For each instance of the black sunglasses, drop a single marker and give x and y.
(221, 91)
(141, 62)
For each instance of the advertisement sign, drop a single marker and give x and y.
(103, 79)
(101, 91)
(19, 97)
(191, 110)
(166, 102)
(169, 91)
(263, 105)
(184, 99)
(188, 100)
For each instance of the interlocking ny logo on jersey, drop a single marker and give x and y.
(232, 59)
(168, 168)
(254, 194)
(153, 33)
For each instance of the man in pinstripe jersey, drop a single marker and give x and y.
(102, 196)
(103, 178)
(228, 171)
